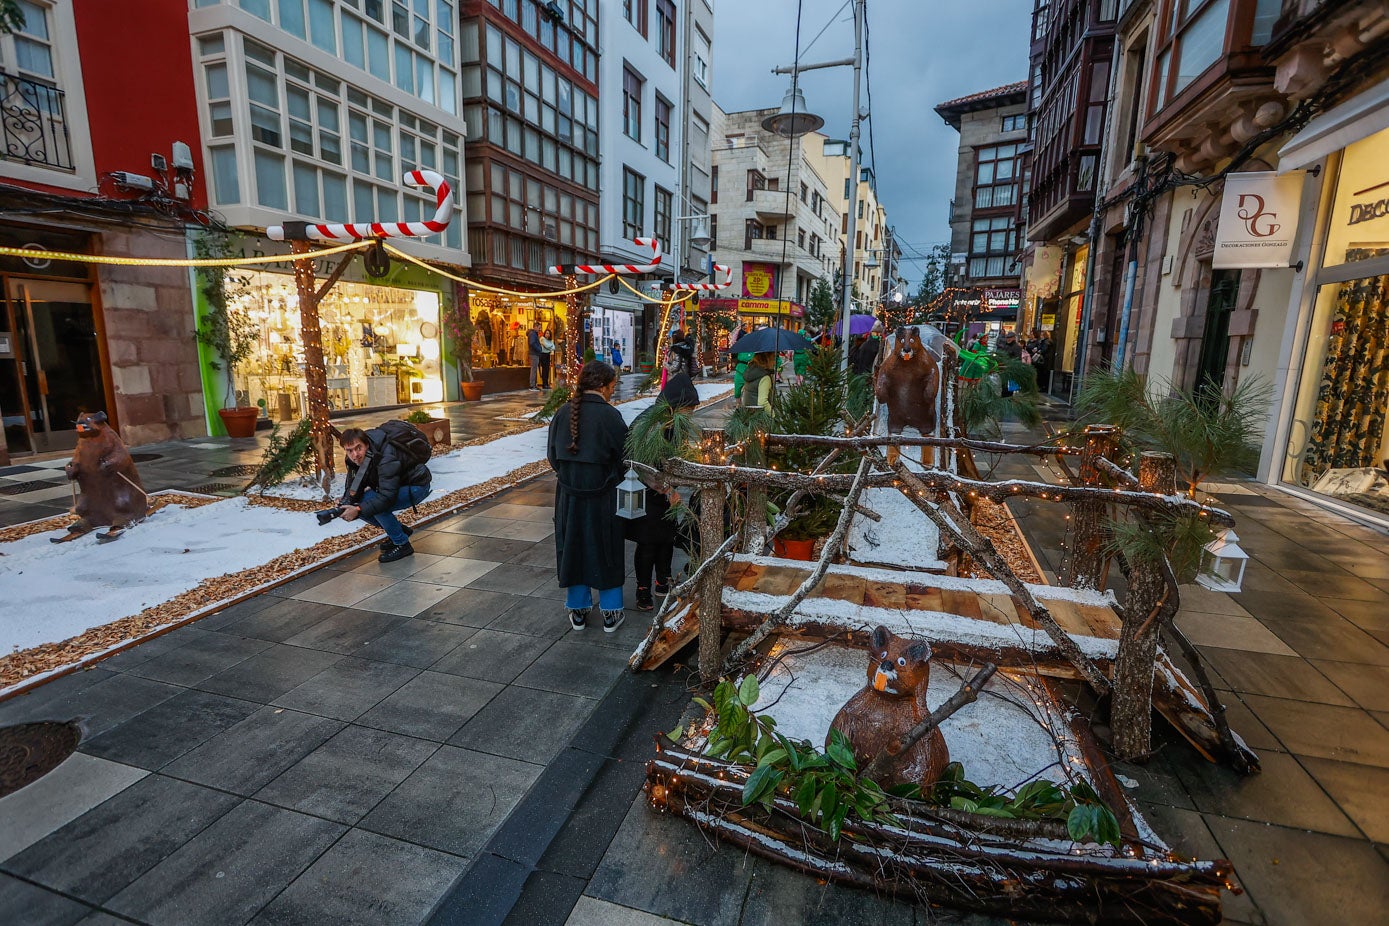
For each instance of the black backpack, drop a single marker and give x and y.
(409, 441)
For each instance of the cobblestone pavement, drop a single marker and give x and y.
(427, 742)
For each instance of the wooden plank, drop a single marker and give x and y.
(842, 588)
(965, 604)
(780, 580)
(735, 572)
(998, 609)
(669, 642)
(923, 598)
(1065, 614)
(884, 595)
(748, 581)
(1104, 623)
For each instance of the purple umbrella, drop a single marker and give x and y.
(858, 324)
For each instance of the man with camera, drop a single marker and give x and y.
(386, 472)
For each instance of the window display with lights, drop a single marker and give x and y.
(380, 344)
(502, 322)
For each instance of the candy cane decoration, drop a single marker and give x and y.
(443, 212)
(651, 243)
(705, 287)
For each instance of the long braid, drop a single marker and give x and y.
(595, 375)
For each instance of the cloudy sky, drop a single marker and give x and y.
(922, 52)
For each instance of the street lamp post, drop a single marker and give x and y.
(793, 121)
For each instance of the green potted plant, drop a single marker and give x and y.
(438, 430)
(458, 323)
(797, 539)
(228, 331)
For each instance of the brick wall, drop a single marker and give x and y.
(150, 339)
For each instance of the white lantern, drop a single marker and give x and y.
(1222, 563)
(631, 496)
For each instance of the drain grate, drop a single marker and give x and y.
(240, 469)
(215, 488)
(28, 751)
(19, 488)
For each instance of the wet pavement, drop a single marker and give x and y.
(427, 742)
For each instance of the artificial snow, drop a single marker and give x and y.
(53, 592)
(904, 537)
(1005, 738)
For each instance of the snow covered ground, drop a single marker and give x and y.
(51, 593)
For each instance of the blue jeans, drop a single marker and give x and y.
(386, 520)
(580, 598)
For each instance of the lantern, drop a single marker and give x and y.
(631, 496)
(1222, 563)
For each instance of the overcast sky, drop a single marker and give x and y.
(922, 52)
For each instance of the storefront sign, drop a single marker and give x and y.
(759, 280)
(1258, 220)
(752, 307)
(997, 299)
(1048, 322)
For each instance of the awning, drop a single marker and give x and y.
(1359, 117)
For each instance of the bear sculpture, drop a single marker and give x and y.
(894, 701)
(908, 383)
(111, 493)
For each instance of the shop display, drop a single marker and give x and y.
(502, 322)
(380, 345)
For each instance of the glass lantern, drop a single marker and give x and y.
(631, 496)
(1222, 563)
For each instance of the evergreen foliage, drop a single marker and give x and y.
(984, 407)
(558, 396)
(820, 310)
(285, 456)
(662, 432)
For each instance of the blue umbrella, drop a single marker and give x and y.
(858, 324)
(771, 340)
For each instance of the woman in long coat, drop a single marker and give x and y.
(587, 437)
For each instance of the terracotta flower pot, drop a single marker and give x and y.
(239, 422)
(794, 549)
(472, 391)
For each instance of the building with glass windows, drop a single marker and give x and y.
(313, 110)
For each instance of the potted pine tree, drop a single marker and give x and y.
(229, 332)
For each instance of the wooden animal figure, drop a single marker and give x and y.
(110, 491)
(894, 701)
(908, 384)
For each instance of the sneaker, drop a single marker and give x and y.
(613, 620)
(578, 620)
(644, 602)
(663, 587)
(393, 553)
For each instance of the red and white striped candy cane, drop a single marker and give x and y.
(443, 212)
(651, 243)
(726, 282)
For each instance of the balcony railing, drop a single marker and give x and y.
(34, 121)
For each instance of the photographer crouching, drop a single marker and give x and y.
(387, 470)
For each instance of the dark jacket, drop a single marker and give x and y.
(1010, 349)
(588, 533)
(533, 343)
(654, 527)
(752, 380)
(386, 473)
(862, 358)
(685, 350)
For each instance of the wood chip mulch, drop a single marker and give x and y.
(994, 522)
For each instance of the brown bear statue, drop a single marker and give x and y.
(908, 383)
(111, 493)
(885, 710)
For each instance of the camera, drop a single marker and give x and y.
(328, 514)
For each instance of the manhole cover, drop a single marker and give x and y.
(146, 457)
(28, 751)
(240, 469)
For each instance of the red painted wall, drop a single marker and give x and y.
(137, 71)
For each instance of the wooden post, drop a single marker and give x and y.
(711, 586)
(573, 326)
(1089, 520)
(1131, 714)
(315, 375)
(755, 520)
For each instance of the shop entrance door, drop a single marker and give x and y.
(1215, 341)
(57, 360)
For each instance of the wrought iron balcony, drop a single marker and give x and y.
(34, 121)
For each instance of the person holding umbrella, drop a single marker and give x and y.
(757, 381)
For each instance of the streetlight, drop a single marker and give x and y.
(792, 121)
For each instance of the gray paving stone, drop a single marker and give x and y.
(347, 689)
(348, 775)
(1273, 675)
(438, 543)
(34, 702)
(454, 801)
(30, 905)
(270, 673)
(230, 870)
(576, 668)
(101, 852)
(778, 895)
(493, 656)
(78, 784)
(345, 632)
(432, 705)
(590, 911)
(1325, 731)
(101, 706)
(245, 757)
(526, 724)
(1337, 640)
(1368, 685)
(1188, 834)
(155, 646)
(469, 607)
(537, 617)
(281, 620)
(514, 578)
(417, 643)
(1359, 791)
(496, 549)
(1282, 793)
(366, 879)
(236, 612)
(199, 659)
(155, 737)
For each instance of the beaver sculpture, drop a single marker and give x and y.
(894, 701)
(111, 494)
(908, 383)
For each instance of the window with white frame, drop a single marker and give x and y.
(996, 176)
(34, 126)
(701, 57)
(991, 246)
